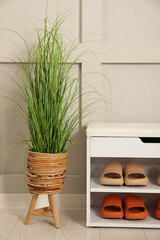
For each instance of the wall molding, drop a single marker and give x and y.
(20, 201)
(11, 183)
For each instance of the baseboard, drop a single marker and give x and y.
(20, 201)
(74, 184)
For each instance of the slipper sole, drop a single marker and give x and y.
(157, 209)
(111, 207)
(134, 207)
(112, 174)
(135, 175)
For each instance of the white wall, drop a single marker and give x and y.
(125, 36)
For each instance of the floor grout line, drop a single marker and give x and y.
(144, 233)
(99, 234)
(16, 223)
(79, 228)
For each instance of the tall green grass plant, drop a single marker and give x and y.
(48, 94)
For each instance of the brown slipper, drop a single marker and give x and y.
(111, 207)
(158, 179)
(112, 174)
(135, 174)
(134, 207)
(157, 209)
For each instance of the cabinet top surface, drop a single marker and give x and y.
(123, 129)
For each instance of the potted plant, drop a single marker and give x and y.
(47, 100)
(49, 95)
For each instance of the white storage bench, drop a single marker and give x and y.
(123, 142)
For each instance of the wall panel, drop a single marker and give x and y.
(135, 91)
(122, 38)
(21, 16)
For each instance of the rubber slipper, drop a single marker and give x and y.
(134, 207)
(157, 209)
(112, 174)
(135, 174)
(158, 179)
(111, 207)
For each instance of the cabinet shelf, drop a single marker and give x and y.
(152, 187)
(122, 142)
(96, 220)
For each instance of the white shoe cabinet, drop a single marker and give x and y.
(122, 142)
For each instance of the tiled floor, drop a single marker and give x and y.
(73, 227)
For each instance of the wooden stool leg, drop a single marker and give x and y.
(52, 203)
(31, 208)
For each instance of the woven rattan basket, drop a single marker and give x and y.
(46, 172)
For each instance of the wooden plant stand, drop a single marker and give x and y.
(50, 211)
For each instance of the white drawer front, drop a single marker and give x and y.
(123, 147)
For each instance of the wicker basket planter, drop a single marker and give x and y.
(46, 172)
(45, 175)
